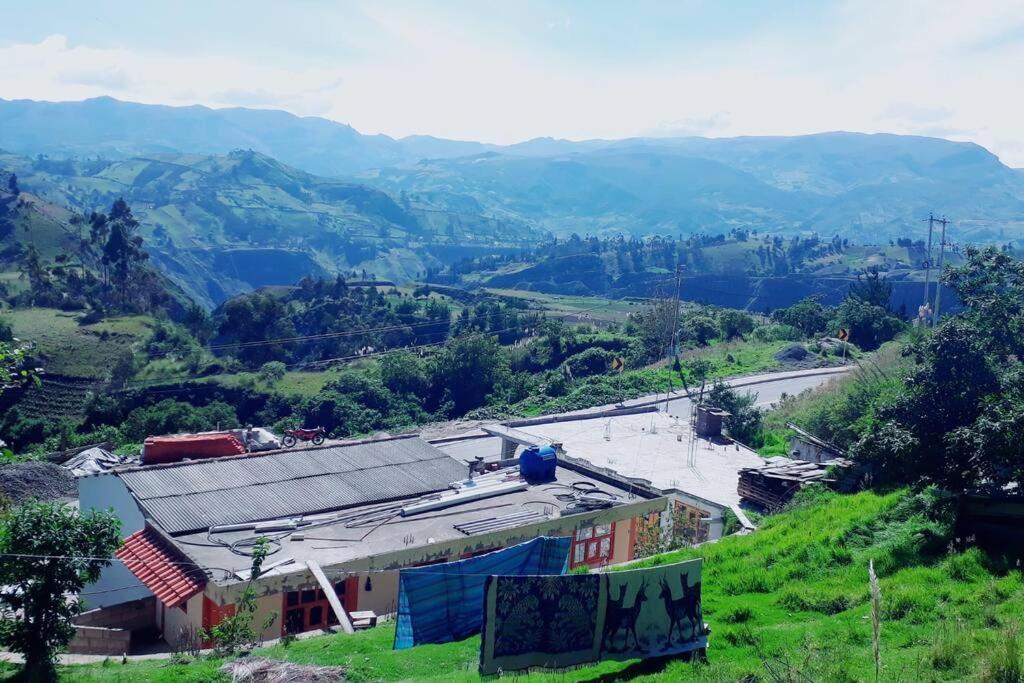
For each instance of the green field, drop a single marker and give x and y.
(65, 347)
(575, 308)
(791, 597)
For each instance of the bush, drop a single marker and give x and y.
(272, 372)
(776, 332)
(593, 361)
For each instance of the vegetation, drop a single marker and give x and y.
(957, 419)
(48, 552)
(789, 602)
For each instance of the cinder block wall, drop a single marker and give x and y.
(97, 640)
(108, 631)
(131, 616)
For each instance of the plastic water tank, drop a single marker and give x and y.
(537, 464)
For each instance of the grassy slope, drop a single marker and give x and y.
(67, 348)
(795, 591)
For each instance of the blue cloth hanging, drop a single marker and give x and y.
(441, 603)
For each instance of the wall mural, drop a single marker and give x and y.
(563, 621)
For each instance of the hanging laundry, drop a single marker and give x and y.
(653, 612)
(550, 621)
(558, 622)
(440, 603)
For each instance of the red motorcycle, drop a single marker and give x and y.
(291, 436)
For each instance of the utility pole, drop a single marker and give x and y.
(675, 322)
(938, 278)
(928, 268)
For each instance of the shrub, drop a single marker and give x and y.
(593, 361)
(737, 615)
(776, 332)
(272, 372)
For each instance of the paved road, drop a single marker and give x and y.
(769, 389)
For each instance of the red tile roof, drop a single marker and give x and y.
(166, 574)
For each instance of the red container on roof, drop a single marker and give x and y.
(163, 449)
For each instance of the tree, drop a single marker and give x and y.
(466, 371)
(957, 421)
(49, 552)
(807, 315)
(745, 418)
(13, 372)
(869, 325)
(733, 323)
(699, 329)
(123, 250)
(872, 289)
(197, 321)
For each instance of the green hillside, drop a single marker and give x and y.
(220, 226)
(787, 602)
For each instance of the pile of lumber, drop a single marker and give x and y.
(773, 484)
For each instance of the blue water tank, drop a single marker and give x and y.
(537, 464)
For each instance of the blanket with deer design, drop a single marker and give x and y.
(564, 621)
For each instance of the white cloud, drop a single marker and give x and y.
(940, 68)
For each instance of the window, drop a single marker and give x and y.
(309, 609)
(592, 546)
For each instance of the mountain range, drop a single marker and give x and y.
(232, 199)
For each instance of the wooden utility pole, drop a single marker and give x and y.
(928, 267)
(938, 278)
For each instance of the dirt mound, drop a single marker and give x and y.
(794, 353)
(263, 670)
(42, 480)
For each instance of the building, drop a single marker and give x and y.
(700, 474)
(341, 521)
(809, 448)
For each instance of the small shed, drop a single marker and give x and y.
(709, 421)
(809, 448)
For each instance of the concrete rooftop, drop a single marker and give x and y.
(655, 447)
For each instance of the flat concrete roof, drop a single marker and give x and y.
(656, 448)
(336, 544)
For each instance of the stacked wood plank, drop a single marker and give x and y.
(773, 484)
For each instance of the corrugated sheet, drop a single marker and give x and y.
(197, 495)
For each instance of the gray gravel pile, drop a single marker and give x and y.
(794, 353)
(42, 480)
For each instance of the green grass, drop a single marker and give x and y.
(598, 308)
(302, 383)
(792, 595)
(67, 348)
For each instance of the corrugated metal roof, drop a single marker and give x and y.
(197, 495)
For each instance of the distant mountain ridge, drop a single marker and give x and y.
(268, 180)
(113, 129)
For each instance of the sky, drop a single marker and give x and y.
(504, 72)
